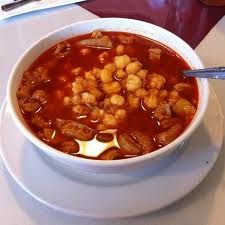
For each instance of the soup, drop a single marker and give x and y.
(108, 96)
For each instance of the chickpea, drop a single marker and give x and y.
(107, 103)
(133, 101)
(117, 100)
(109, 120)
(111, 88)
(97, 72)
(96, 113)
(103, 56)
(163, 94)
(141, 92)
(122, 61)
(112, 109)
(85, 51)
(79, 80)
(133, 82)
(77, 88)
(101, 127)
(111, 67)
(89, 75)
(76, 71)
(120, 49)
(151, 101)
(173, 97)
(67, 100)
(120, 74)
(133, 67)
(120, 114)
(153, 91)
(95, 91)
(106, 76)
(81, 110)
(156, 81)
(142, 74)
(88, 98)
(76, 100)
(90, 83)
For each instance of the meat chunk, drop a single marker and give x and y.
(75, 130)
(184, 108)
(39, 121)
(155, 54)
(104, 137)
(180, 87)
(165, 137)
(110, 154)
(37, 76)
(126, 39)
(102, 42)
(167, 123)
(62, 49)
(146, 142)
(29, 105)
(31, 80)
(70, 147)
(135, 142)
(48, 133)
(128, 145)
(23, 92)
(162, 111)
(40, 95)
(96, 34)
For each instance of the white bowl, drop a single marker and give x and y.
(109, 24)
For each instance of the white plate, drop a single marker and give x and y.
(108, 196)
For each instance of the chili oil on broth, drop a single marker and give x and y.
(139, 124)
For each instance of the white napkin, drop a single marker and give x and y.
(33, 6)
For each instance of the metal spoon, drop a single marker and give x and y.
(210, 73)
(16, 4)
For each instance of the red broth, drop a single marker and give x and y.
(142, 101)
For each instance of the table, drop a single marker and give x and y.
(189, 19)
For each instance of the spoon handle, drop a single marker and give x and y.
(211, 73)
(15, 4)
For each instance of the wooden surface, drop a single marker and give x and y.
(189, 19)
